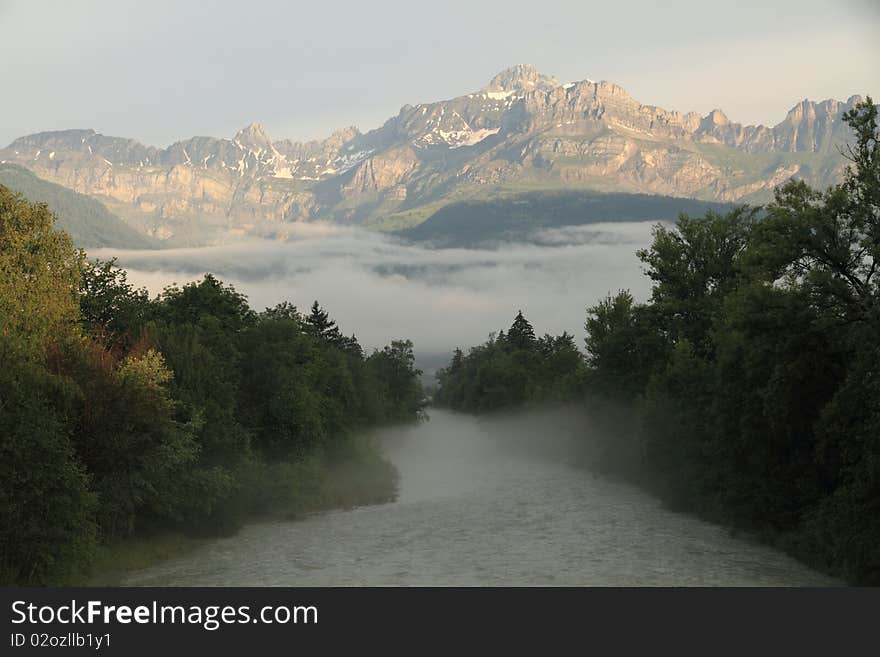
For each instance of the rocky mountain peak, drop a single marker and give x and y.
(522, 77)
(253, 137)
(717, 118)
(805, 109)
(343, 135)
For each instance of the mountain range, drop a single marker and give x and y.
(525, 133)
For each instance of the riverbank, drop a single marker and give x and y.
(595, 445)
(473, 511)
(288, 491)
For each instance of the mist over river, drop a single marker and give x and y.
(487, 502)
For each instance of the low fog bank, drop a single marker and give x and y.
(456, 454)
(382, 288)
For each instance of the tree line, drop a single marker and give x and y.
(122, 415)
(747, 388)
(512, 369)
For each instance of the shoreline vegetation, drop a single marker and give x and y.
(124, 416)
(364, 479)
(746, 390)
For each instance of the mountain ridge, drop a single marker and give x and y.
(523, 131)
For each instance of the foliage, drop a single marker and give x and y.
(510, 370)
(111, 309)
(46, 508)
(122, 415)
(397, 381)
(747, 388)
(753, 368)
(39, 273)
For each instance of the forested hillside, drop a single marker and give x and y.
(518, 217)
(747, 389)
(122, 415)
(86, 220)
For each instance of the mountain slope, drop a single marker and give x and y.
(87, 221)
(523, 132)
(518, 218)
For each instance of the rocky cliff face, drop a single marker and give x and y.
(524, 130)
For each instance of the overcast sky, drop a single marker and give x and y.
(163, 70)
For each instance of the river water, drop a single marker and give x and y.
(487, 503)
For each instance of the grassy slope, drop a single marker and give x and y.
(85, 219)
(516, 216)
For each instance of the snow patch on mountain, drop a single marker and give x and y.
(498, 95)
(455, 138)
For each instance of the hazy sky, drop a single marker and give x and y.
(163, 70)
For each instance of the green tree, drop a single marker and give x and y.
(521, 334)
(208, 297)
(47, 526)
(39, 273)
(512, 369)
(394, 370)
(111, 309)
(842, 533)
(625, 343)
(319, 325)
(127, 435)
(279, 396)
(694, 266)
(829, 241)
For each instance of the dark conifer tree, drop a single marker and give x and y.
(319, 324)
(521, 334)
(351, 346)
(457, 359)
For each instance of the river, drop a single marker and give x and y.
(477, 507)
